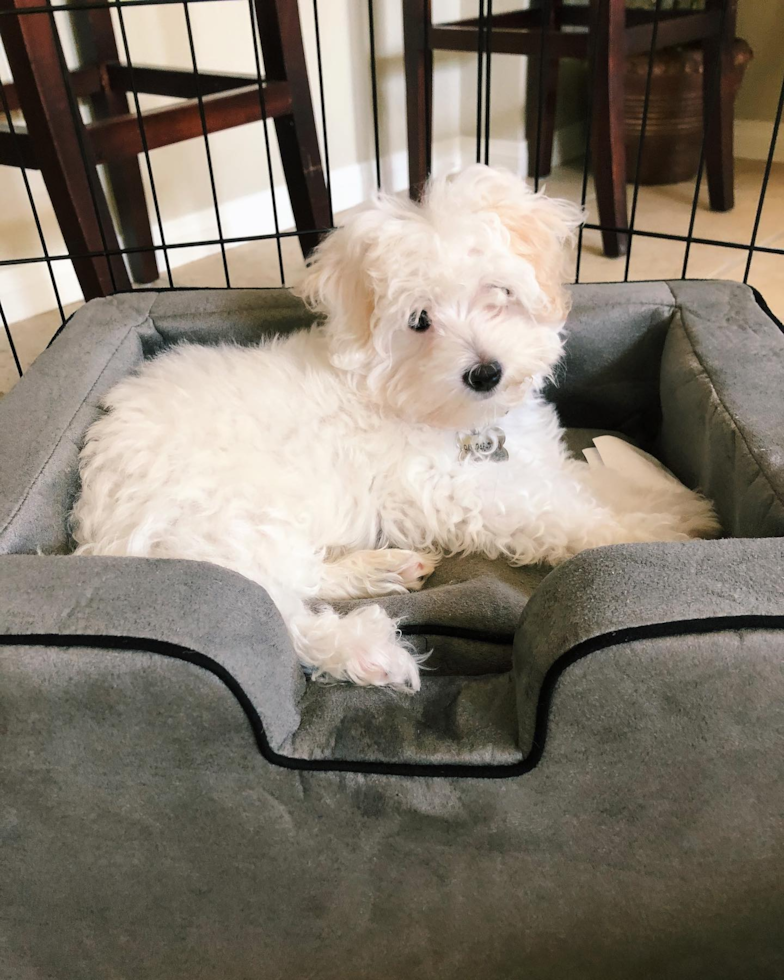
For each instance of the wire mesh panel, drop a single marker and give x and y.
(212, 142)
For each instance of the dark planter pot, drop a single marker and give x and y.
(673, 129)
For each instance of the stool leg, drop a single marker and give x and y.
(96, 42)
(718, 107)
(419, 92)
(62, 151)
(284, 60)
(536, 136)
(607, 125)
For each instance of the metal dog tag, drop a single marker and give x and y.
(484, 445)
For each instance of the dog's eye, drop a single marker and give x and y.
(504, 290)
(419, 322)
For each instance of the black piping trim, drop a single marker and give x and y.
(62, 327)
(458, 632)
(604, 641)
(765, 308)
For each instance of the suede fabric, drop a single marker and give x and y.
(623, 592)
(723, 414)
(190, 607)
(177, 803)
(46, 415)
(212, 316)
(609, 378)
(143, 835)
(452, 721)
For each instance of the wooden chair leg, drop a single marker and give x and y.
(718, 107)
(418, 58)
(284, 59)
(61, 149)
(536, 135)
(607, 125)
(95, 40)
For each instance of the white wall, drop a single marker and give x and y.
(507, 102)
(761, 25)
(25, 290)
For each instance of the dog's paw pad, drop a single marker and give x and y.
(385, 662)
(413, 568)
(395, 671)
(370, 574)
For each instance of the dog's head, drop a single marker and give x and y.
(451, 309)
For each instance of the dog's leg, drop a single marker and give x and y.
(363, 647)
(580, 508)
(369, 574)
(647, 505)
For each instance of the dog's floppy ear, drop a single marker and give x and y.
(540, 228)
(337, 286)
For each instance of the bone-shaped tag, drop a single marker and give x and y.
(485, 445)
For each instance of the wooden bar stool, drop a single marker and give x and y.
(607, 33)
(55, 140)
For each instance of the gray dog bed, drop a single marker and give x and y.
(588, 785)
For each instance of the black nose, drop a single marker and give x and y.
(483, 377)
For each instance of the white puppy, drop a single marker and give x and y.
(341, 461)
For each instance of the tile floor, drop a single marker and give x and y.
(659, 209)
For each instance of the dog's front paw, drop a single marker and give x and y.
(363, 647)
(371, 574)
(410, 569)
(375, 655)
(388, 665)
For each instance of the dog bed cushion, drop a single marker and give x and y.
(177, 800)
(681, 369)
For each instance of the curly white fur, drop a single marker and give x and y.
(324, 465)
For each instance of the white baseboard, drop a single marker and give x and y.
(350, 186)
(26, 290)
(752, 140)
(568, 144)
(23, 295)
